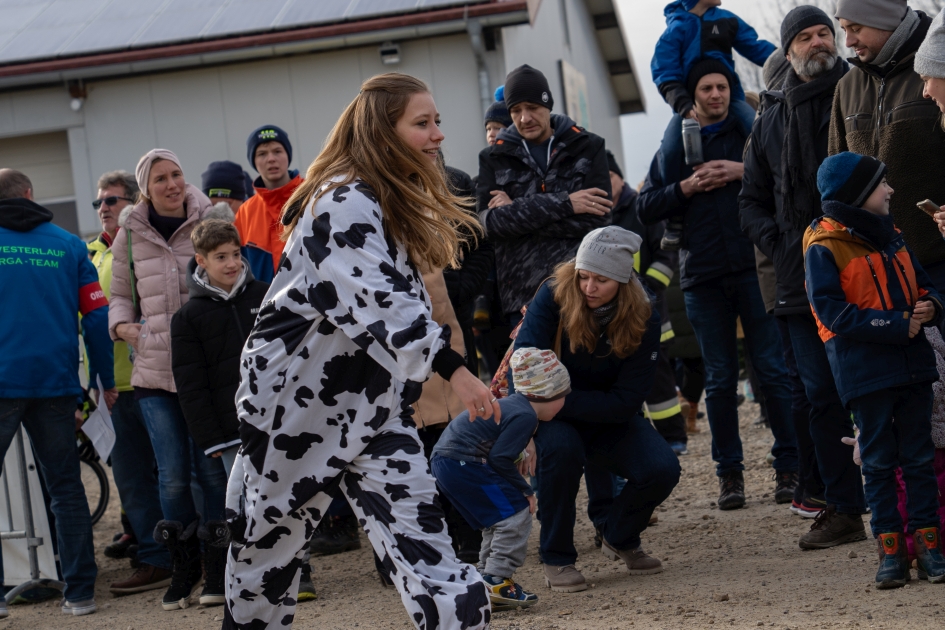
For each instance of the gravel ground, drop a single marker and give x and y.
(740, 569)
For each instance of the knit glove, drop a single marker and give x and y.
(674, 93)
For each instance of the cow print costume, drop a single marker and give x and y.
(330, 370)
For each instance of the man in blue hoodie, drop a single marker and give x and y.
(47, 278)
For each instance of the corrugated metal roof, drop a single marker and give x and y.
(47, 29)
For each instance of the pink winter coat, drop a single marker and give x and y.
(161, 270)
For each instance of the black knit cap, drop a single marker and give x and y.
(704, 67)
(499, 113)
(612, 164)
(527, 85)
(224, 179)
(800, 18)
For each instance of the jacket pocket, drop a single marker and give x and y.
(912, 110)
(858, 122)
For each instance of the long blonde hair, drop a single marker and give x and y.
(625, 331)
(419, 210)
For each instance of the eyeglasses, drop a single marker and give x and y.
(109, 201)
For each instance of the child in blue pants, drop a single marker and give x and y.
(476, 465)
(871, 299)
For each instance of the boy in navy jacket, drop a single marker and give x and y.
(871, 299)
(477, 466)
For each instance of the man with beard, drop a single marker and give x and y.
(779, 199)
(879, 111)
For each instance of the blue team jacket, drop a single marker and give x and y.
(688, 38)
(47, 281)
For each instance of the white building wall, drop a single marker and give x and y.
(564, 29)
(206, 114)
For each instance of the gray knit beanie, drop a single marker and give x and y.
(800, 18)
(609, 251)
(886, 15)
(930, 60)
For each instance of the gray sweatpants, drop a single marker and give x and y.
(504, 545)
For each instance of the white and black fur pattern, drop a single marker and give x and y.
(341, 345)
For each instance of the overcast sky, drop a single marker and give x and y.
(644, 22)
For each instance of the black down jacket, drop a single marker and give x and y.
(207, 337)
(760, 203)
(538, 229)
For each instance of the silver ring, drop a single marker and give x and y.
(482, 410)
(493, 399)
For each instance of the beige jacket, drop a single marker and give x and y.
(438, 404)
(161, 269)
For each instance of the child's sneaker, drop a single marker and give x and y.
(506, 594)
(672, 237)
(928, 550)
(893, 569)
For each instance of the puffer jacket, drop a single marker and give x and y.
(207, 337)
(539, 229)
(880, 112)
(863, 283)
(161, 270)
(761, 202)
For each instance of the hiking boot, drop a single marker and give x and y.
(654, 519)
(84, 607)
(216, 537)
(808, 507)
(504, 594)
(732, 490)
(692, 418)
(336, 534)
(120, 545)
(893, 569)
(928, 550)
(832, 528)
(306, 586)
(685, 407)
(564, 579)
(785, 484)
(637, 561)
(145, 578)
(184, 547)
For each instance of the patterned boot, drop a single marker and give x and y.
(893, 569)
(928, 550)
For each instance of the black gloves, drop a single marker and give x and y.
(674, 93)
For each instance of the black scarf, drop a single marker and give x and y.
(605, 314)
(799, 160)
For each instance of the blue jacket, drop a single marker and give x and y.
(863, 283)
(47, 281)
(688, 38)
(485, 442)
(604, 388)
(713, 243)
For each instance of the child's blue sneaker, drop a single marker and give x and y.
(893, 569)
(679, 448)
(928, 550)
(506, 594)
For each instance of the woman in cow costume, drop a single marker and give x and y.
(343, 341)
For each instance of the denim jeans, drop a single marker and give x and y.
(134, 469)
(896, 431)
(632, 450)
(175, 455)
(50, 424)
(809, 481)
(829, 420)
(712, 308)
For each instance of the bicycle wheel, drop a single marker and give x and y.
(96, 488)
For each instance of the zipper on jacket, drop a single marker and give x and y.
(879, 290)
(879, 108)
(902, 270)
(236, 316)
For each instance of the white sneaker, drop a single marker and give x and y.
(84, 607)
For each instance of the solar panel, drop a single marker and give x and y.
(43, 29)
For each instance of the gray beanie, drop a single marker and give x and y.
(775, 70)
(800, 18)
(886, 15)
(609, 251)
(930, 60)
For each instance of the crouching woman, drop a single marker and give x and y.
(608, 333)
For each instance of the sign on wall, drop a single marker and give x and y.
(574, 85)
